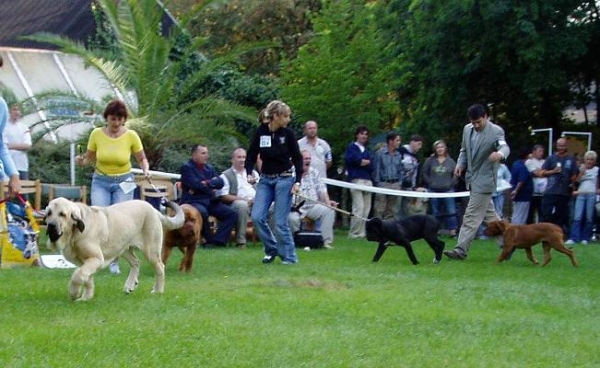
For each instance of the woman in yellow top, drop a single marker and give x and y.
(111, 148)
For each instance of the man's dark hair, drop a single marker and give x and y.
(416, 138)
(536, 147)
(391, 136)
(359, 129)
(195, 147)
(523, 153)
(476, 111)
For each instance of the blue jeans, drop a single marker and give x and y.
(449, 216)
(277, 190)
(499, 203)
(106, 189)
(585, 205)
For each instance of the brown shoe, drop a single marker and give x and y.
(242, 246)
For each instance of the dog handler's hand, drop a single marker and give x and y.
(495, 156)
(295, 188)
(14, 185)
(458, 171)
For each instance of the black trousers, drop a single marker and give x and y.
(535, 207)
(555, 209)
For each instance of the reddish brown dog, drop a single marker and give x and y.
(185, 238)
(526, 236)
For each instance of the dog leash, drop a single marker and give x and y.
(332, 207)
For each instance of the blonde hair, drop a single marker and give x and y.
(436, 143)
(275, 107)
(591, 155)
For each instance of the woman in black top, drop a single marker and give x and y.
(281, 159)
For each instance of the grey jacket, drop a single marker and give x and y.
(480, 172)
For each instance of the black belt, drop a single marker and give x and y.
(283, 174)
(390, 181)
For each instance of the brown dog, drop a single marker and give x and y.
(185, 238)
(526, 236)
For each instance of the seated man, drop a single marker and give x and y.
(238, 192)
(313, 191)
(200, 184)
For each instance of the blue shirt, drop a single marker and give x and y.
(353, 158)
(387, 167)
(9, 166)
(520, 173)
(560, 183)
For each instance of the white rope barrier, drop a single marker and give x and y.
(345, 184)
(394, 192)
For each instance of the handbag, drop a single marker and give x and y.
(18, 233)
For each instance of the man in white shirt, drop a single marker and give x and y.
(317, 205)
(238, 192)
(17, 138)
(319, 149)
(534, 165)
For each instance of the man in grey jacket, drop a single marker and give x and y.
(482, 148)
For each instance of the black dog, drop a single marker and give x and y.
(405, 231)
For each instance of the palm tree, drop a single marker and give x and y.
(159, 77)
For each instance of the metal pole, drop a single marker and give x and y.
(550, 141)
(72, 161)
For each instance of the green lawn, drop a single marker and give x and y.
(333, 309)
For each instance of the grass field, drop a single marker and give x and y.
(333, 309)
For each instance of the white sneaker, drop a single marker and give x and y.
(584, 242)
(114, 268)
(328, 246)
(570, 242)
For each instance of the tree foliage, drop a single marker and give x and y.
(528, 61)
(515, 56)
(227, 24)
(159, 77)
(343, 76)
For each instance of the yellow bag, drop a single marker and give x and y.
(18, 234)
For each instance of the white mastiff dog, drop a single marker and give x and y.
(91, 237)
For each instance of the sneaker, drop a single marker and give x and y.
(114, 268)
(584, 242)
(327, 246)
(268, 259)
(452, 254)
(288, 262)
(570, 242)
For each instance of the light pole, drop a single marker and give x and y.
(589, 137)
(549, 130)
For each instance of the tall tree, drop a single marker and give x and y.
(343, 77)
(226, 24)
(511, 54)
(158, 77)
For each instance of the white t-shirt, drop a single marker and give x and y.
(588, 181)
(320, 154)
(18, 133)
(539, 184)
